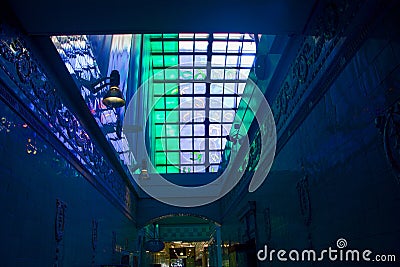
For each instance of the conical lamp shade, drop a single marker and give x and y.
(114, 98)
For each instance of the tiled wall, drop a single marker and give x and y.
(29, 187)
(352, 190)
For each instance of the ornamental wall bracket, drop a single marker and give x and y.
(304, 199)
(389, 126)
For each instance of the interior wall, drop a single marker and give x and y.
(30, 184)
(353, 192)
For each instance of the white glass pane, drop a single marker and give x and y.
(249, 47)
(215, 129)
(215, 115)
(235, 36)
(186, 35)
(186, 61)
(229, 102)
(200, 60)
(232, 61)
(186, 116)
(217, 74)
(186, 88)
(216, 88)
(201, 46)
(218, 46)
(215, 102)
(220, 35)
(186, 102)
(185, 46)
(234, 47)
(186, 74)
(217, 61)
(199, 116)
(246, 61)
(199, 88)
(186, 130)
(229, 115)
(199, 102)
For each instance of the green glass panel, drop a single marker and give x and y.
(171, 46)
(156, 46)
(159, 116)
(155, 35)
(171, 102)
(172, 169)
(170, 87)
(170, 35)
(161, 158)
(171, 74)
(161, 144)
(172, 116)
(173, 158)
(158, 75)
(173, 144)
(157, 61)
(160, 130)
(171, 60)
(159, 104)
(172, 130)
(158, 88)
(161, 169)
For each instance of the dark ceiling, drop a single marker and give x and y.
(49, 17)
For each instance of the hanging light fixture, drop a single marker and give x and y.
(113, 98)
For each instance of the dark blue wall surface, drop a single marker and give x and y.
(29, 187)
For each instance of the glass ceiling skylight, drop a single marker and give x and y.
(198, 80)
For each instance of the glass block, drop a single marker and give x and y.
(246, 61)
(186, 102)
(215, 102)
(170, 35)
(199, 88)
(228, 115)
(161, 169)
(185, 46)
(186, 143)
(171, 102)
(186, 157)
(199, 129)
(171, 74)
(170, 87)
(199, 102)
(231, 74)
(160, 130)
(172, 116)
(159, 116)
(215, 130)
(201, 46)
(217, 74)
(199, 116)
(186, 116)
(229, 102)
(201, 35)
(200, 60)
(158, 88)
(186, 74)
(220, 35)
(172, 130)
(170, 46)
(161, 144)
(249, 47)
(173, 169)
(199, 169)
(215, 143)
(186, 36)
(159, 103)
(215, 115)
(186, 130)
(226, 128)
(158, 75)
(219, 46)
(161, 158)
(216, 88)
(173, 144)
(232, 61)
(186, 88)
(170, 60)
(244, 74)
(158, 61)
(235, 36)
(218, 61)
(234, 47)
(215, 157)
(173, 158)
(199, 144)
(241, 88)
(200, 74)
(186, 61)
(156, 46)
